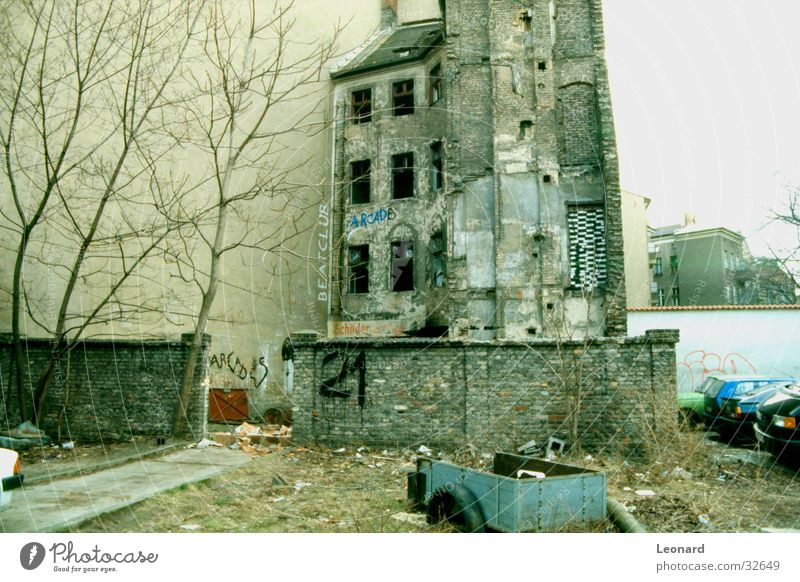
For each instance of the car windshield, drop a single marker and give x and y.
(711, 387)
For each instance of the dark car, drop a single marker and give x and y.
(721, 397)
(776, 423)
(738, 413)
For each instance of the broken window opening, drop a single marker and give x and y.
(437, 177)
(542, 65)
(437, 259)
(403, 265)
(403, 176)
(527, 20)
(436, 84)
(525, 128)
(362, 106)
(587, 247)
(360, 182)
(547, 178)
(403, 98)
(358, 264)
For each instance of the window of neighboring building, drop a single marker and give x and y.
(662, 299)
(358, 265)
(728, 293)
(658, 267)
(436, 87)
(403, 98)
(676, 296)
(673, 264)
(403, 175)
(403, 265)
(360, 182)
(437, 167)
(362, 106)
(437, 259)
(587, 246)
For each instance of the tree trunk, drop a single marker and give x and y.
(16, 339)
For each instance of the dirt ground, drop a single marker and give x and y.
(698, 485)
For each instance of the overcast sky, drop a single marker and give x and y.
(706, 97)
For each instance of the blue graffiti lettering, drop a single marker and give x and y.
(377, 217)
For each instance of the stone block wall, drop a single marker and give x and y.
(494, 395)
(106, 390)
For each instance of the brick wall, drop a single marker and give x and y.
(494, 395)
(109, 390)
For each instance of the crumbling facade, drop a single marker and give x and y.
(476, 191)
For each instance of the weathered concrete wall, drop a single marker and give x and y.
(495, 395)
(106, 390)
(731, 339)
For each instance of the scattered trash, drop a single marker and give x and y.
(204, 444)
(359, 456)
(246, 447)
(630, 508)
(529, 448)
(627, 489)
(68, 445)
(680, 473)
(191, 527)
(645, 493)
(423, 450)
(361, 449)
(413, 518)
(246, 429)
(279, 482)
(555, 445)
(704, 519)
(535, 474)
(340, 451)
(298, 485)
(588, 458)
(234, 447)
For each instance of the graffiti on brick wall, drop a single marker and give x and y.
(345, 366)
(696, 365)
(257, 372)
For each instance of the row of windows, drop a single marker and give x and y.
(402, 266)
(675, 297)
(587, 256)
(402, 97)
(403, 171)
(658, 265)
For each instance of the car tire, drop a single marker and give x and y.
(459, 506)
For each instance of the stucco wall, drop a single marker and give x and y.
(730, 340)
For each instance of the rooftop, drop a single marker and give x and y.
(405, 44)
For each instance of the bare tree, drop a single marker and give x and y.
(788, 258)
(261, 87)
(85, 88)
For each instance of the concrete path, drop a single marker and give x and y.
(65, 503)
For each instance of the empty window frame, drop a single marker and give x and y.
(403, 175)
(437, 259)
(435, 84)
(676, 296)
(673, 264)
(403, 265)
(358, 269)
(661, 298)
(437, 167)
(403, 98)
(658, 266)
(587, 247)
(360, 182)
(362, 106)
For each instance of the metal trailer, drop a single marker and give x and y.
(520, 494)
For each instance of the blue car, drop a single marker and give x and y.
(729, 402)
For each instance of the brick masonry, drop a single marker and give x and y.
(114, 389)
(494, 395)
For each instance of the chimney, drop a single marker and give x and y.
(388, 13)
